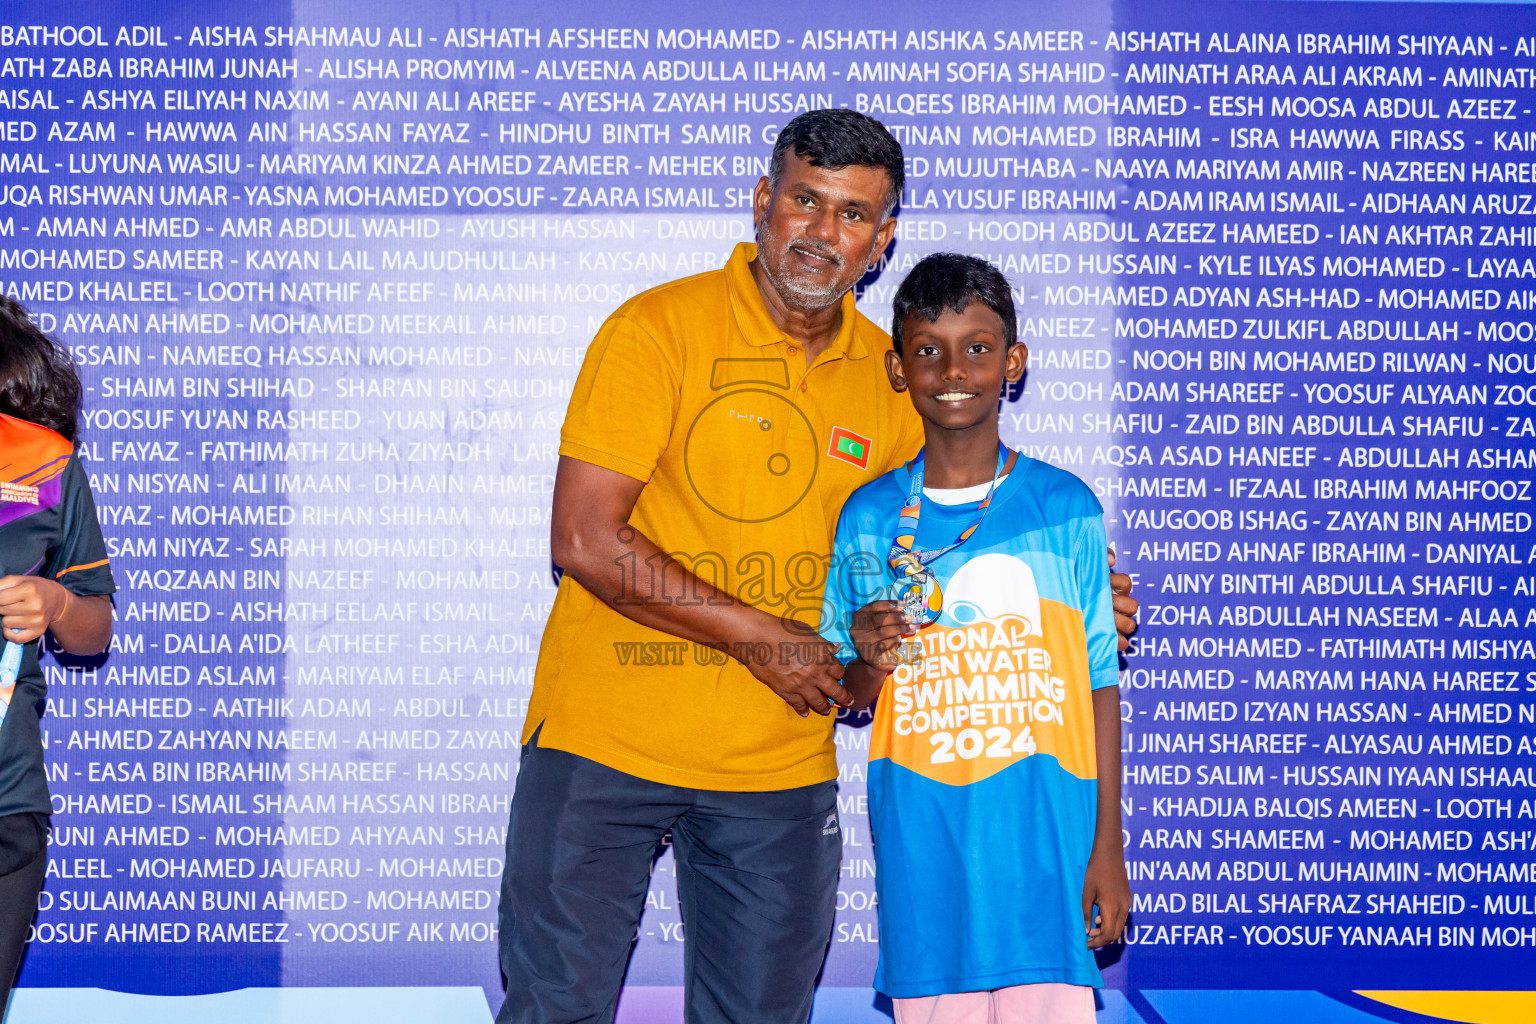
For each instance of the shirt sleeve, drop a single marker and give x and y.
(856, 577)
(625, 401)
(79, 561)
(1092, 558)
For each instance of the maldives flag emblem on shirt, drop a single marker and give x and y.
(849, 447)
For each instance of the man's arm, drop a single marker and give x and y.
(1126, 606)
(1105, 881)
(591, 539)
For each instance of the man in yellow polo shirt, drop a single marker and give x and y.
(717, 426)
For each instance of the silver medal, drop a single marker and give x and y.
(915, 605)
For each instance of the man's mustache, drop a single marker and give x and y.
(819, 248)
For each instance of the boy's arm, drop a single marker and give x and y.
(863, 632)
(31, 605)
(863, 682)
(876, 632)
(1105, 882)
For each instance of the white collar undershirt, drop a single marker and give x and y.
(960, 495)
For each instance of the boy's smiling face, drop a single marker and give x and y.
(955, 366)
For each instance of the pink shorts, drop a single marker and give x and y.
(1050, 1003)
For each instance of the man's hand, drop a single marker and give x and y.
(28, 605)
(877, 629)
(1105, 884)
(1126, 606)
(803, 671)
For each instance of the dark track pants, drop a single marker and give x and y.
(757, 879)
(24, 858)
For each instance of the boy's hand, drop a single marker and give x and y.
(1126, 606)
(877, 629)
(1105, 883)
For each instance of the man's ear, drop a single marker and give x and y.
(760, 196)
(883, 235)
(1018, 362)
(893, 371)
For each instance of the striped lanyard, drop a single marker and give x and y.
(922, 599)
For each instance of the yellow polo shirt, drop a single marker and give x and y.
(747, 456)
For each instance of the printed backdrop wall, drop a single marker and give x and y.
(329, 270)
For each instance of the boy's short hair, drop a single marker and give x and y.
(948, 280)
(840, 138)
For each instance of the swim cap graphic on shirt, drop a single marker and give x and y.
(991, 586)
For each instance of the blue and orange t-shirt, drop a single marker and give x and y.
(48, 528)
(982, 774)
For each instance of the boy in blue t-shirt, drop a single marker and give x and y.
(971, 584)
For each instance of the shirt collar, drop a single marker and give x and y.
(757, 327)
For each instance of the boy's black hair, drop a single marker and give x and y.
(948, 280)
(835, 139)
(38, 382)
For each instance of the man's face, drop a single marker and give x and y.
(819, 230)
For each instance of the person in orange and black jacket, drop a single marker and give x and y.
(54, 578)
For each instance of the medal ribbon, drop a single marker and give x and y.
(911, 566)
